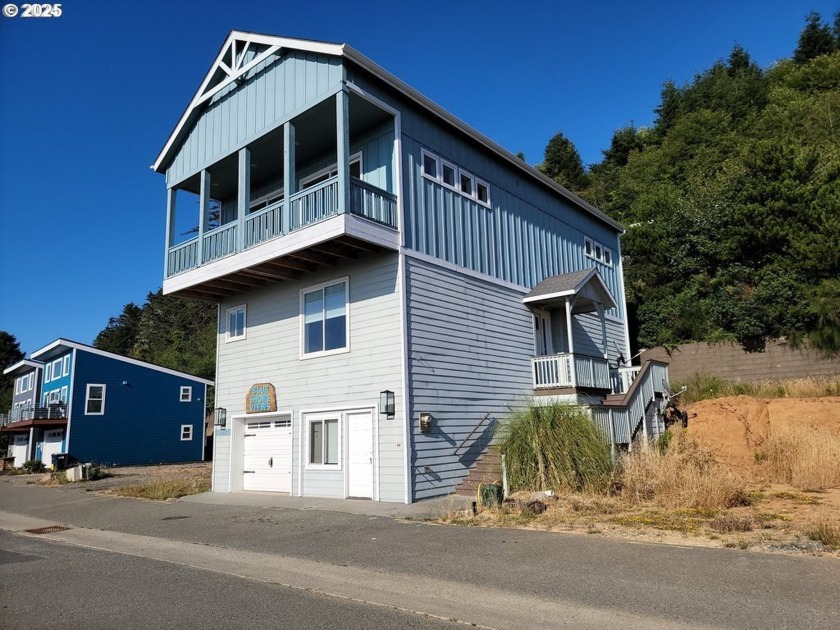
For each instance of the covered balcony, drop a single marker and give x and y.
(319, 189)
(572, 348)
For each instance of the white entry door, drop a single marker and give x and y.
(360, 454)
(267, 457)
(52, 445)
(542, 334)
(19, 447)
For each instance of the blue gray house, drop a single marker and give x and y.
(389, 280)
(106, 408)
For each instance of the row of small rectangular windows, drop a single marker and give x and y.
(57, 369)
(455, 178)
(325, 325)
(595, 250)
(25, 383)
(95, 398)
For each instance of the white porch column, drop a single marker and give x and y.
(288, 174)
(203, 211)
(342, 123)
(243, 198)
(570, 303)
(171, 197)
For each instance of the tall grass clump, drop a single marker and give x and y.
(803, 457)
(555, 447)
(683, 475)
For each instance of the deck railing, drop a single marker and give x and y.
(53, 410)
(304, 208)
(571, 370)
(623, 378)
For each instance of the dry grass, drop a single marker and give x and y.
(164, 489)
(705, 386)
(684, 475)
(826, 532)
(802, 457)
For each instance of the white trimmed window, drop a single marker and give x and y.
(56, 369)
(326, 324)
(65, 370)
(482, 193)
(596, 251)
(455, 178)
(467, 184)
(324, 174)
(63, 395)
(431, 165)
(236, 323)
(186, 393)
(449, 173)
(48, 373)
(95, 400)
(323, 442)
(186, 432)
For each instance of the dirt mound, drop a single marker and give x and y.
(737, 427)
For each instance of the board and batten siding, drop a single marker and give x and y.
(271, 353)
(143, 414)
(221, 460)
(274, 91)
(470, 345)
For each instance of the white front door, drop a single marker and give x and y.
(19, 447)
(542, 334)
(267, 457)
(360, 454)
(52, 445)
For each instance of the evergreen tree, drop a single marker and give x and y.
(10, 354)
(562, 163)
(120, 335)
(815, 39)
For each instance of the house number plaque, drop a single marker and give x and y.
(260, 398)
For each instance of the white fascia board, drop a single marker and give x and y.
(75, 345)
(401, 86)
(549, 296)
(22, 364)
(332, 228)
(275, 44)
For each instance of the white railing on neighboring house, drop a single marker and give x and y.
(623, 378)
(51, 411)
(571, 370)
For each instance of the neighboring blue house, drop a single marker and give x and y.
(105, 408)
(389, 280)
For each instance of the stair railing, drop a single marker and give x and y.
(476, 428)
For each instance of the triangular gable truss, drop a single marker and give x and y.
(240, 53)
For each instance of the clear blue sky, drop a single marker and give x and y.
(88, 99)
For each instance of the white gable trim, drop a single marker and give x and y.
(80, 346)
(21, 364)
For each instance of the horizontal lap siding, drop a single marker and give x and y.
(589, 339)
(142, 421)
(470, 348)
(271, 353)
(273, 92)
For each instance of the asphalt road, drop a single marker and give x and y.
(497, 578)
(53, 586)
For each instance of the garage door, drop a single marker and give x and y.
(20, 446)
(267, 461)
(52, 445)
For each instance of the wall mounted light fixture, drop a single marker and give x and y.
(425, 422)
(220, 417)
(387, 404)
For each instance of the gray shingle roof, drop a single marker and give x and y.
(559, 284)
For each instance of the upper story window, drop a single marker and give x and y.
(186, 393)
(325, 319)
(455, 178)
(596, 251)
(65, 370)
(95, 400)
(56, 369)
(236, 323)
(331, 171)
(48, 373)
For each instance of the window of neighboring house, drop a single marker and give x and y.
(186, 393)
(323, 442)
(331, 171)
(30, 382)
(65, 370)
(48, 373)
(186, 432)
(56, 369)
(482, 192)
(62, 398)
(325, 320)
(588, 247)
(236, 323)
(449, 173)
(430, 165)
(95, 400)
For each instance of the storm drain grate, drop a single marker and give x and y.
(47, 530)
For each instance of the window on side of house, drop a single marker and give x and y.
(186, 432)
(323, 442)
(65, 370)
(56, 369)
(430, 166)
(467, 184)
(63, 395)
(325, 320)
(48, 373)
(324, 174)
(95, 400)
(186, 393)
(236, 323)
(449, 174)
(482, 193)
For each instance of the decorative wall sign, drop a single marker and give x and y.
(261, 398)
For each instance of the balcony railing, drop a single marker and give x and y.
(571, 370)
(304, 208)
(54, 410)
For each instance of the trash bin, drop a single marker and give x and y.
(491, 495)
(60, 461)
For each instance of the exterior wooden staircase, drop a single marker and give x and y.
(487, 469)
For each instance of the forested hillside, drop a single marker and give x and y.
(731, 201)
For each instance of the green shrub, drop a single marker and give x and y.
(34, 466)
(555, 447)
